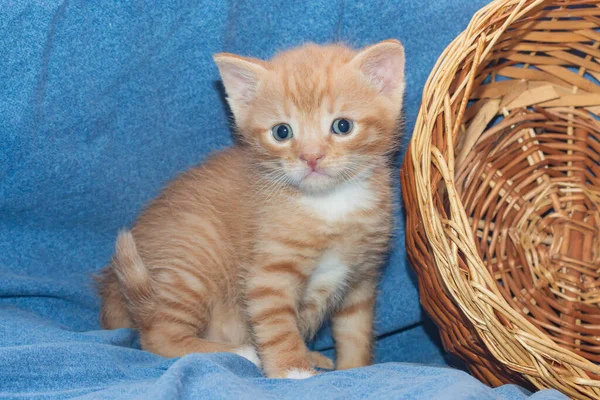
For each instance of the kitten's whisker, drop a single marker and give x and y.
(269, 188)
(281, 183)
(271, 184)
(267, 181)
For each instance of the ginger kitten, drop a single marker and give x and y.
(255, 248)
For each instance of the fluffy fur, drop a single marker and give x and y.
(255, 248)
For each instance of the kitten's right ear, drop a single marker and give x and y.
(240, 76)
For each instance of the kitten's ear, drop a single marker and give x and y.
(240, 77)
(383, 65)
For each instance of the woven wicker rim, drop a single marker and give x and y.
(512, 340)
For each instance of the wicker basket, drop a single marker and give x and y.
(501, 184)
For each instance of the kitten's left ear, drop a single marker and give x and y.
(383, 65)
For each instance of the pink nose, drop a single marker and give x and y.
(312, 160)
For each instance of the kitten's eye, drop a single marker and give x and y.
(282, 132)
(342, 126)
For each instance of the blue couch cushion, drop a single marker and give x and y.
(101, 103)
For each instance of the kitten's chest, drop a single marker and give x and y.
(341, 204)
(329, 277)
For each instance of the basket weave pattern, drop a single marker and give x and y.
(501, 184)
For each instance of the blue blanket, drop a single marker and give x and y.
(101, 103)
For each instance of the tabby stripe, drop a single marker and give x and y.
(205, 238)
(179, 306)
(192, 249)
(186, 268)
(164, 316)
(274, 313)
(288, 241)
(179, 291)
(181, 339)
(287, 268)
(353, 308)
(279, 339)
(184, 294)
(265, 291)
(197, 256)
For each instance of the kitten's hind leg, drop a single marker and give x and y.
(177, 339)
(172, 339)
(353, 326)
(169, 305)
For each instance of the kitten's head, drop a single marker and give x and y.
(317, 116)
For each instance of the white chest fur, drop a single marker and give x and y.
(329, 275)
(341, 201)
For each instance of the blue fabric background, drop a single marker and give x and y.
(101, 103)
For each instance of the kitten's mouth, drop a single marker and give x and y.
(315, 174)
(316, 181)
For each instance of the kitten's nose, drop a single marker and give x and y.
(312, 160)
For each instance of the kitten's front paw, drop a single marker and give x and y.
(318, 360)
(298, 373)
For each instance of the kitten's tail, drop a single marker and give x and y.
(132, 274)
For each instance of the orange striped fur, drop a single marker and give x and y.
(253, 250)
